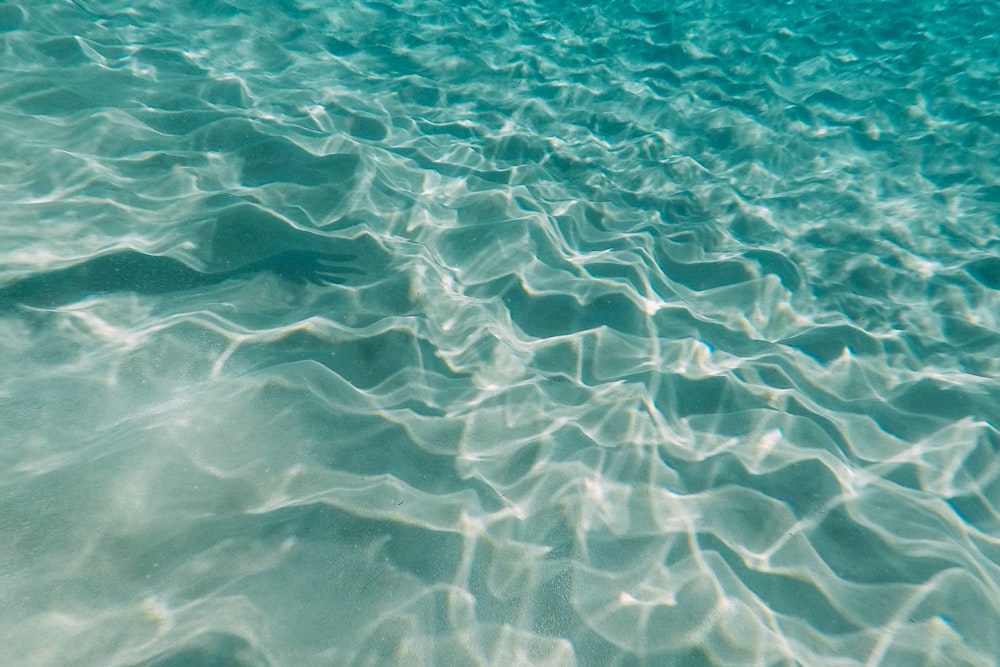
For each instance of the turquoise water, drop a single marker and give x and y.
(499, 333)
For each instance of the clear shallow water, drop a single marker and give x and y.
(499, 334)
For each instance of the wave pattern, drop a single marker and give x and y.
(433, 333)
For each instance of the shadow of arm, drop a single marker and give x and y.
(133, 271)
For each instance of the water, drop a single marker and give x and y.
(532, 333)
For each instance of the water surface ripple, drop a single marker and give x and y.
(491, 333)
